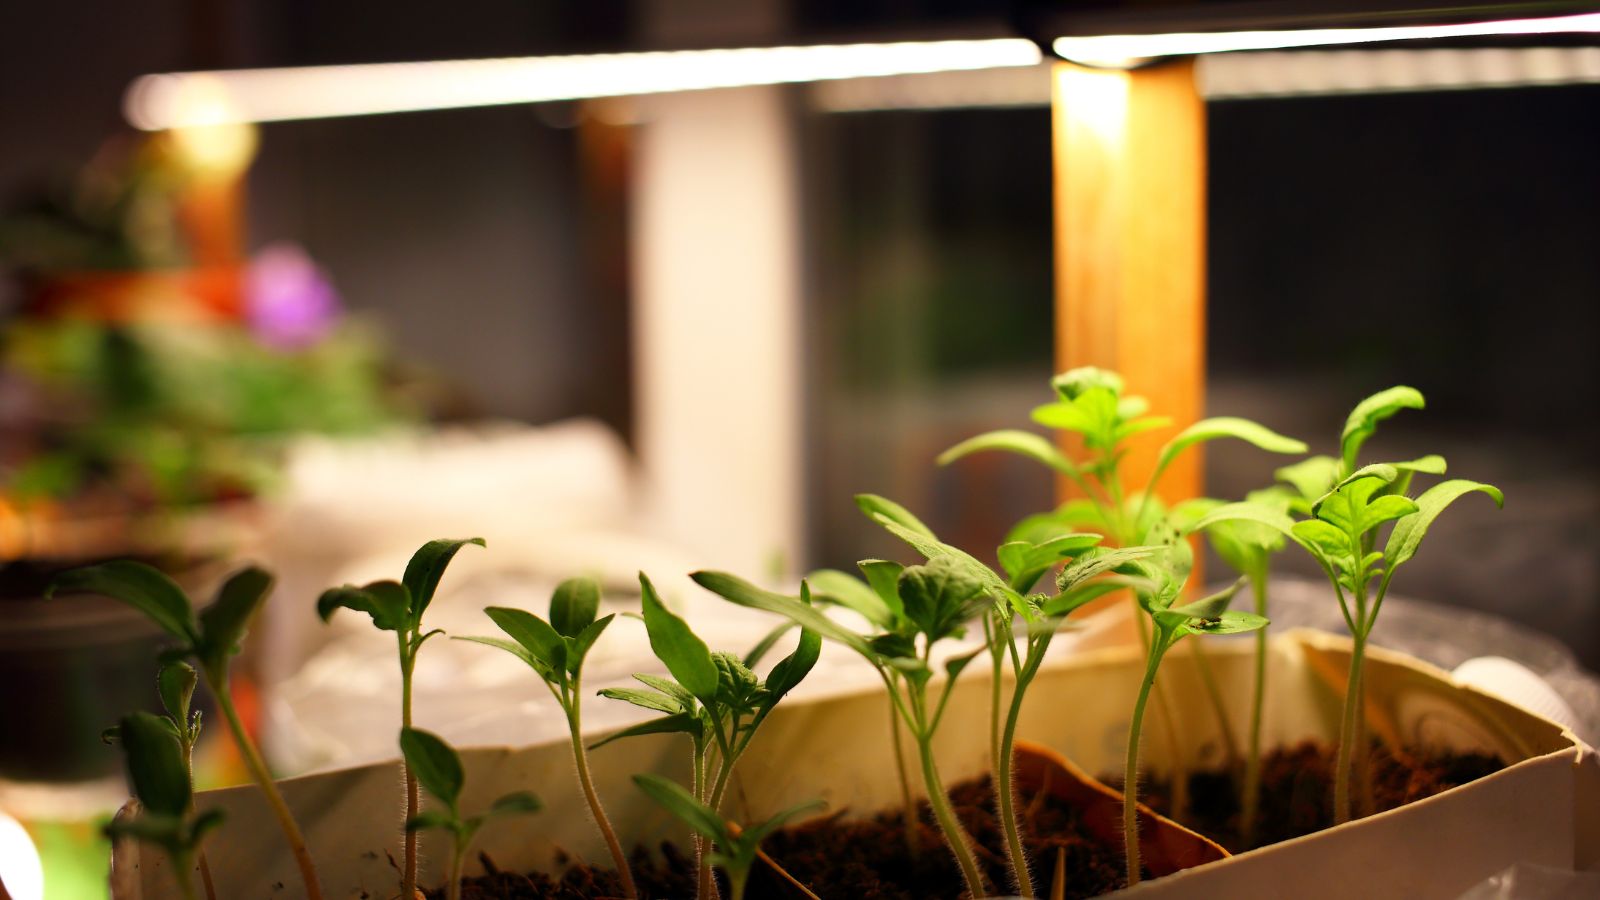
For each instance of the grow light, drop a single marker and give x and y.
(20, 869)
(1122, 50)
(176, 100)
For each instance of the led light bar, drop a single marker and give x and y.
(176, 100)
(1120, 50)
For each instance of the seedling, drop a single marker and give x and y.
(927, 604)
(1343, 531)
(398, 607)
(158, 769)
(438, 767)
(1164, 579)
(555, 650)
(1248, 548)
(736, 848)
(712, 697)
(1089, 576)
(212, 641)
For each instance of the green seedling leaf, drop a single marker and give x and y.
(1224, 427)
(755, 834)
(884, 577)
(1210, 607)
(850, 592)
(1353, 508)
(425, 569)
(1232, 621)
(743, 593)
(884, 509)
(677, 723)
(1432, 464)
(385, 601)
(175, 682)
(155, 764)
(669, 687)
(737, 686)
(1311, 477)
(646, 698)
(1364, 419)
(684, 654)
(1322, 538)
(674, 799)
(1024, 563)
(578, 647)
(792, 669)
(224, 622)
(141, 586)
(941, 597)
(433, 818)
(954, 665)
(534, 634)
(1071, 384)
(1068, 518)
(931, 548)
(1099, 561)
(574, 606)
(515, 649)
(1066, 602)
(1022, 443)
(1409, 531)
(516, 803)
(434, 763)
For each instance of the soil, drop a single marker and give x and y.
(1297, 790)
(840, 857)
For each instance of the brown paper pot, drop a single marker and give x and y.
(835, 748)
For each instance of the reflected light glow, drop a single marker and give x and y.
(155, 102)
(20, 869)
(1122, 50)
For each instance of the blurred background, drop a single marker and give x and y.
(679, 330)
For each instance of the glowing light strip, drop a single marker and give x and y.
(1126, 49)
(175, 100)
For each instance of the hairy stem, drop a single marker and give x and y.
(218, 683)
(1251, 802)
(186, 747)
(954, 835)
(1130, 773)
(702, 853)
(1347, 732)
(580, 757)
(408, 874)
(736, 879)
(1004, 788)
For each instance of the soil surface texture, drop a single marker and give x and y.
(840, 857)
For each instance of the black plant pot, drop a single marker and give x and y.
(69, 667)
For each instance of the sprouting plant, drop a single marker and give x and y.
(1342, 533)
(398, 607)
(711, 696)
(175, 683)
(1164, 578)
(1248, 548)
(212, 641)
(736, 848)
(555, 650)
(1087, 577)
(1091, 404)
(438, 768)
(158, 769)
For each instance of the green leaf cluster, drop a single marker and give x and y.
(398, 606)
(158, 770)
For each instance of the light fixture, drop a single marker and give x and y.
(1122, 50)
(155, 102)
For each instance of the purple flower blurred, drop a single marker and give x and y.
(289, 300)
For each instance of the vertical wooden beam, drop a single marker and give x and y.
(1130, 244)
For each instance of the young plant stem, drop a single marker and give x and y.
(1347, 732)
(702, 853)
(913, 848)
(954, 835)
(1130, 774)
(1180, 773)
(218, 683)
(453, 886)
(182, 870)
(1004, 786)
(186, 747)
(736, 880)
(1208, 678)
(408, 874)
(1251, 802)
(581, 759)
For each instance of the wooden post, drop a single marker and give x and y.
(1130, 244)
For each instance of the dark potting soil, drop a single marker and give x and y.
(838, 858)
(1297, 790)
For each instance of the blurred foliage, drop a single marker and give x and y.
(173, 414)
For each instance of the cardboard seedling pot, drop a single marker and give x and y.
(835, 748)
